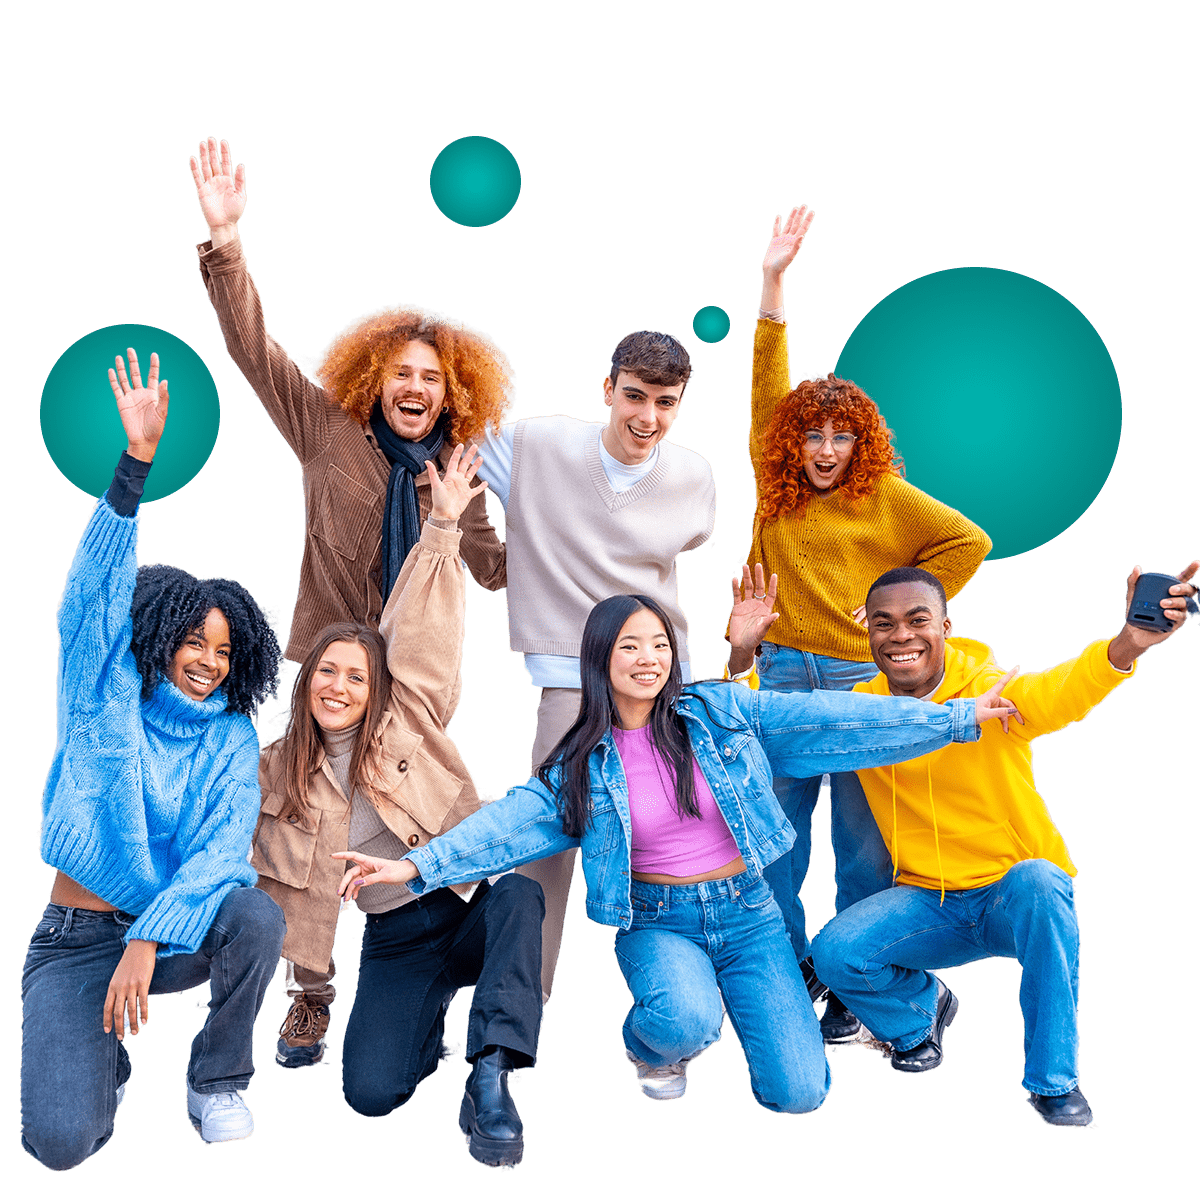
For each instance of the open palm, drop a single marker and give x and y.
(143, 409)
(220, 190)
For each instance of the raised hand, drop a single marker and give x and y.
(367, 870)
(992, 706)
(143, 409)
(752, 615)
(220, 190)
(1134, 640)
(453, 492)
(785, 241)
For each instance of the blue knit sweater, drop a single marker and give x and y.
(149, 804)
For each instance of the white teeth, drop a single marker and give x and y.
(333, 705)
(912, 656)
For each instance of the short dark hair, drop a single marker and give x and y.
(909, 575)
(168, 604)
(655, 358)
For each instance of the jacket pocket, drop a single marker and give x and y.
(346, 512)
(284, 850)
(603, 833)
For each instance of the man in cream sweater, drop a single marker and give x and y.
(594, 510)
(980, 869)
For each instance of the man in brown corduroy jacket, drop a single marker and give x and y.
(400, 388)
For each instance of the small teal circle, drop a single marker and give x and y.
(1003, 398)
(711, 323)
(82, 429)
(475, 181)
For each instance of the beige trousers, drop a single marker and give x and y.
(556, 714)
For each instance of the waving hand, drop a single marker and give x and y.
(143, 409)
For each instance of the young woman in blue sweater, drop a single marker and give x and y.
(147, 814)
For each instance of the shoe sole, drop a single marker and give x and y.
(211, 1141)
(835, 1037)
(284, 1059)
(917, 1068)
(671, 1092)
(489, 1151)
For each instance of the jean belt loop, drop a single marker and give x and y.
(124, 920)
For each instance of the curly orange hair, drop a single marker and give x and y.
(783, 484)
(477, 373)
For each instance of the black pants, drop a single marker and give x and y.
(414, 959)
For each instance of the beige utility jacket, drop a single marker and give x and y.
(423, 775)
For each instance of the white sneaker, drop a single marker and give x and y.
(220, 1116)
(661, 1083)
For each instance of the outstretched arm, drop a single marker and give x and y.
(297, 406)
(781, 250)
(422, 621)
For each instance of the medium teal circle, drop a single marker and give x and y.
(82, 429)
(1004, 400)
(711, 324)
(475, 181)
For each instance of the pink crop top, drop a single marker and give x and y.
(665, 843)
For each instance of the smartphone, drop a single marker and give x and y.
(1144, 609)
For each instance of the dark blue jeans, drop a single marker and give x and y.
(414, 958)
(862, 865)
(71, 1068)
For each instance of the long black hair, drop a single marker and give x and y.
(598, 712)
(168, 604)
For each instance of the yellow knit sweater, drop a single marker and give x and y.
(828, 558)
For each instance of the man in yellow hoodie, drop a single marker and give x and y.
(980, 870)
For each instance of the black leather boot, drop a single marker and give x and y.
(838, 1024)
(488, 1115)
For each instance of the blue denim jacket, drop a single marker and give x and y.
(741, 738)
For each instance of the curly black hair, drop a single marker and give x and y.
(168, 604)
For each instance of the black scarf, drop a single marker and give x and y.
(401, 519)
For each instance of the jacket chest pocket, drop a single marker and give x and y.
(346, 512)
(419, 794)
(603, 832)
(284, 850)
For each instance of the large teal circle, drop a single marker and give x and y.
(710, 324)
(475, 181)
(1004, 400)
(80, 424)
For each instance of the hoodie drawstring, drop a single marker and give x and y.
(936, 844)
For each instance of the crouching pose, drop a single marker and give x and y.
(366, 764)
(667, 790)
(148, 812)
(981, 869)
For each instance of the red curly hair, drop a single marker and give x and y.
(477, 374)
(783, 484)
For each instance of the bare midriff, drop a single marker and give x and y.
(735, 866)
(70, 894)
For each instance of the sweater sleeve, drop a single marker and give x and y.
(299, 409)
(422, 624)
(484, 553)
(952, 545)
(215, 851)
(819, 733)
(521, 826)
(94, 625)
(1050, 700)
(769, 380)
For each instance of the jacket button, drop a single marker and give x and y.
(728, 752)
(403, 764)
(414, 839)
(293, 819)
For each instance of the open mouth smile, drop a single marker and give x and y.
(334, 706)
(902, 659)
(641, 437)
(200, 682)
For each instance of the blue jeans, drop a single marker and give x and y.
(876, 956)
(862, 865)
(692, 946)
(71, 1068)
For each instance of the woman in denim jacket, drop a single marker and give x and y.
(668, 792)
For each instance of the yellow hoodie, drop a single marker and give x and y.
(962, 816)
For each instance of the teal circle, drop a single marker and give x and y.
(711, 324)
(82, 429)
(475, 181)
(1004, 400)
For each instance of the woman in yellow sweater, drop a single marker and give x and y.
(833, 513)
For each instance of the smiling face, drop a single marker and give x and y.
(827, 453)
(200, 665)
(642, 413)
(907, 627)
(638, 667)
(414, 390)
(340, 687)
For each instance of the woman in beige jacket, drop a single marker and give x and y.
(366, 764)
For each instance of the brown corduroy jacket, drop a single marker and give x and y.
(424, 779)
(345, 472)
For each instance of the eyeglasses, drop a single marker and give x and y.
(815, 439)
